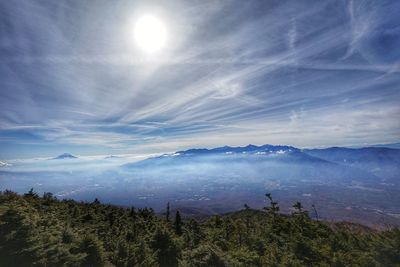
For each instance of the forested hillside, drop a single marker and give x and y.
(44, 231)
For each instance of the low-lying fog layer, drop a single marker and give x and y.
(199, 182)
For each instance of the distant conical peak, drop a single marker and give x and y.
(66, 156)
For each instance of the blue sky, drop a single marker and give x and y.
(302, 73)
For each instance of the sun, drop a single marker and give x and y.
(150, 33)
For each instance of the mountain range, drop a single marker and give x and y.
(369, 162)
(361, 184)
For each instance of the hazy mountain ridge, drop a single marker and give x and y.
(383, 162)
(390, 145)
(246, 149)
(371, 159)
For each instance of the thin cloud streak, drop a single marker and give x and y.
(282, 73)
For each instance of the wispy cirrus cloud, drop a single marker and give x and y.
(232, 73)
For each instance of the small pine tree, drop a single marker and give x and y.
(193, 234)
(178, 223)
(31, 194)
(47, 196)
(273, 208)
(94, 251)
(315, 211)
(165, 249)
(132, 213)
(298, 207)
(168, 212)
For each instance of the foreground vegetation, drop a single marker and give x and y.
(44, 231)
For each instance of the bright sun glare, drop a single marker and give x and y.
(150, 33)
